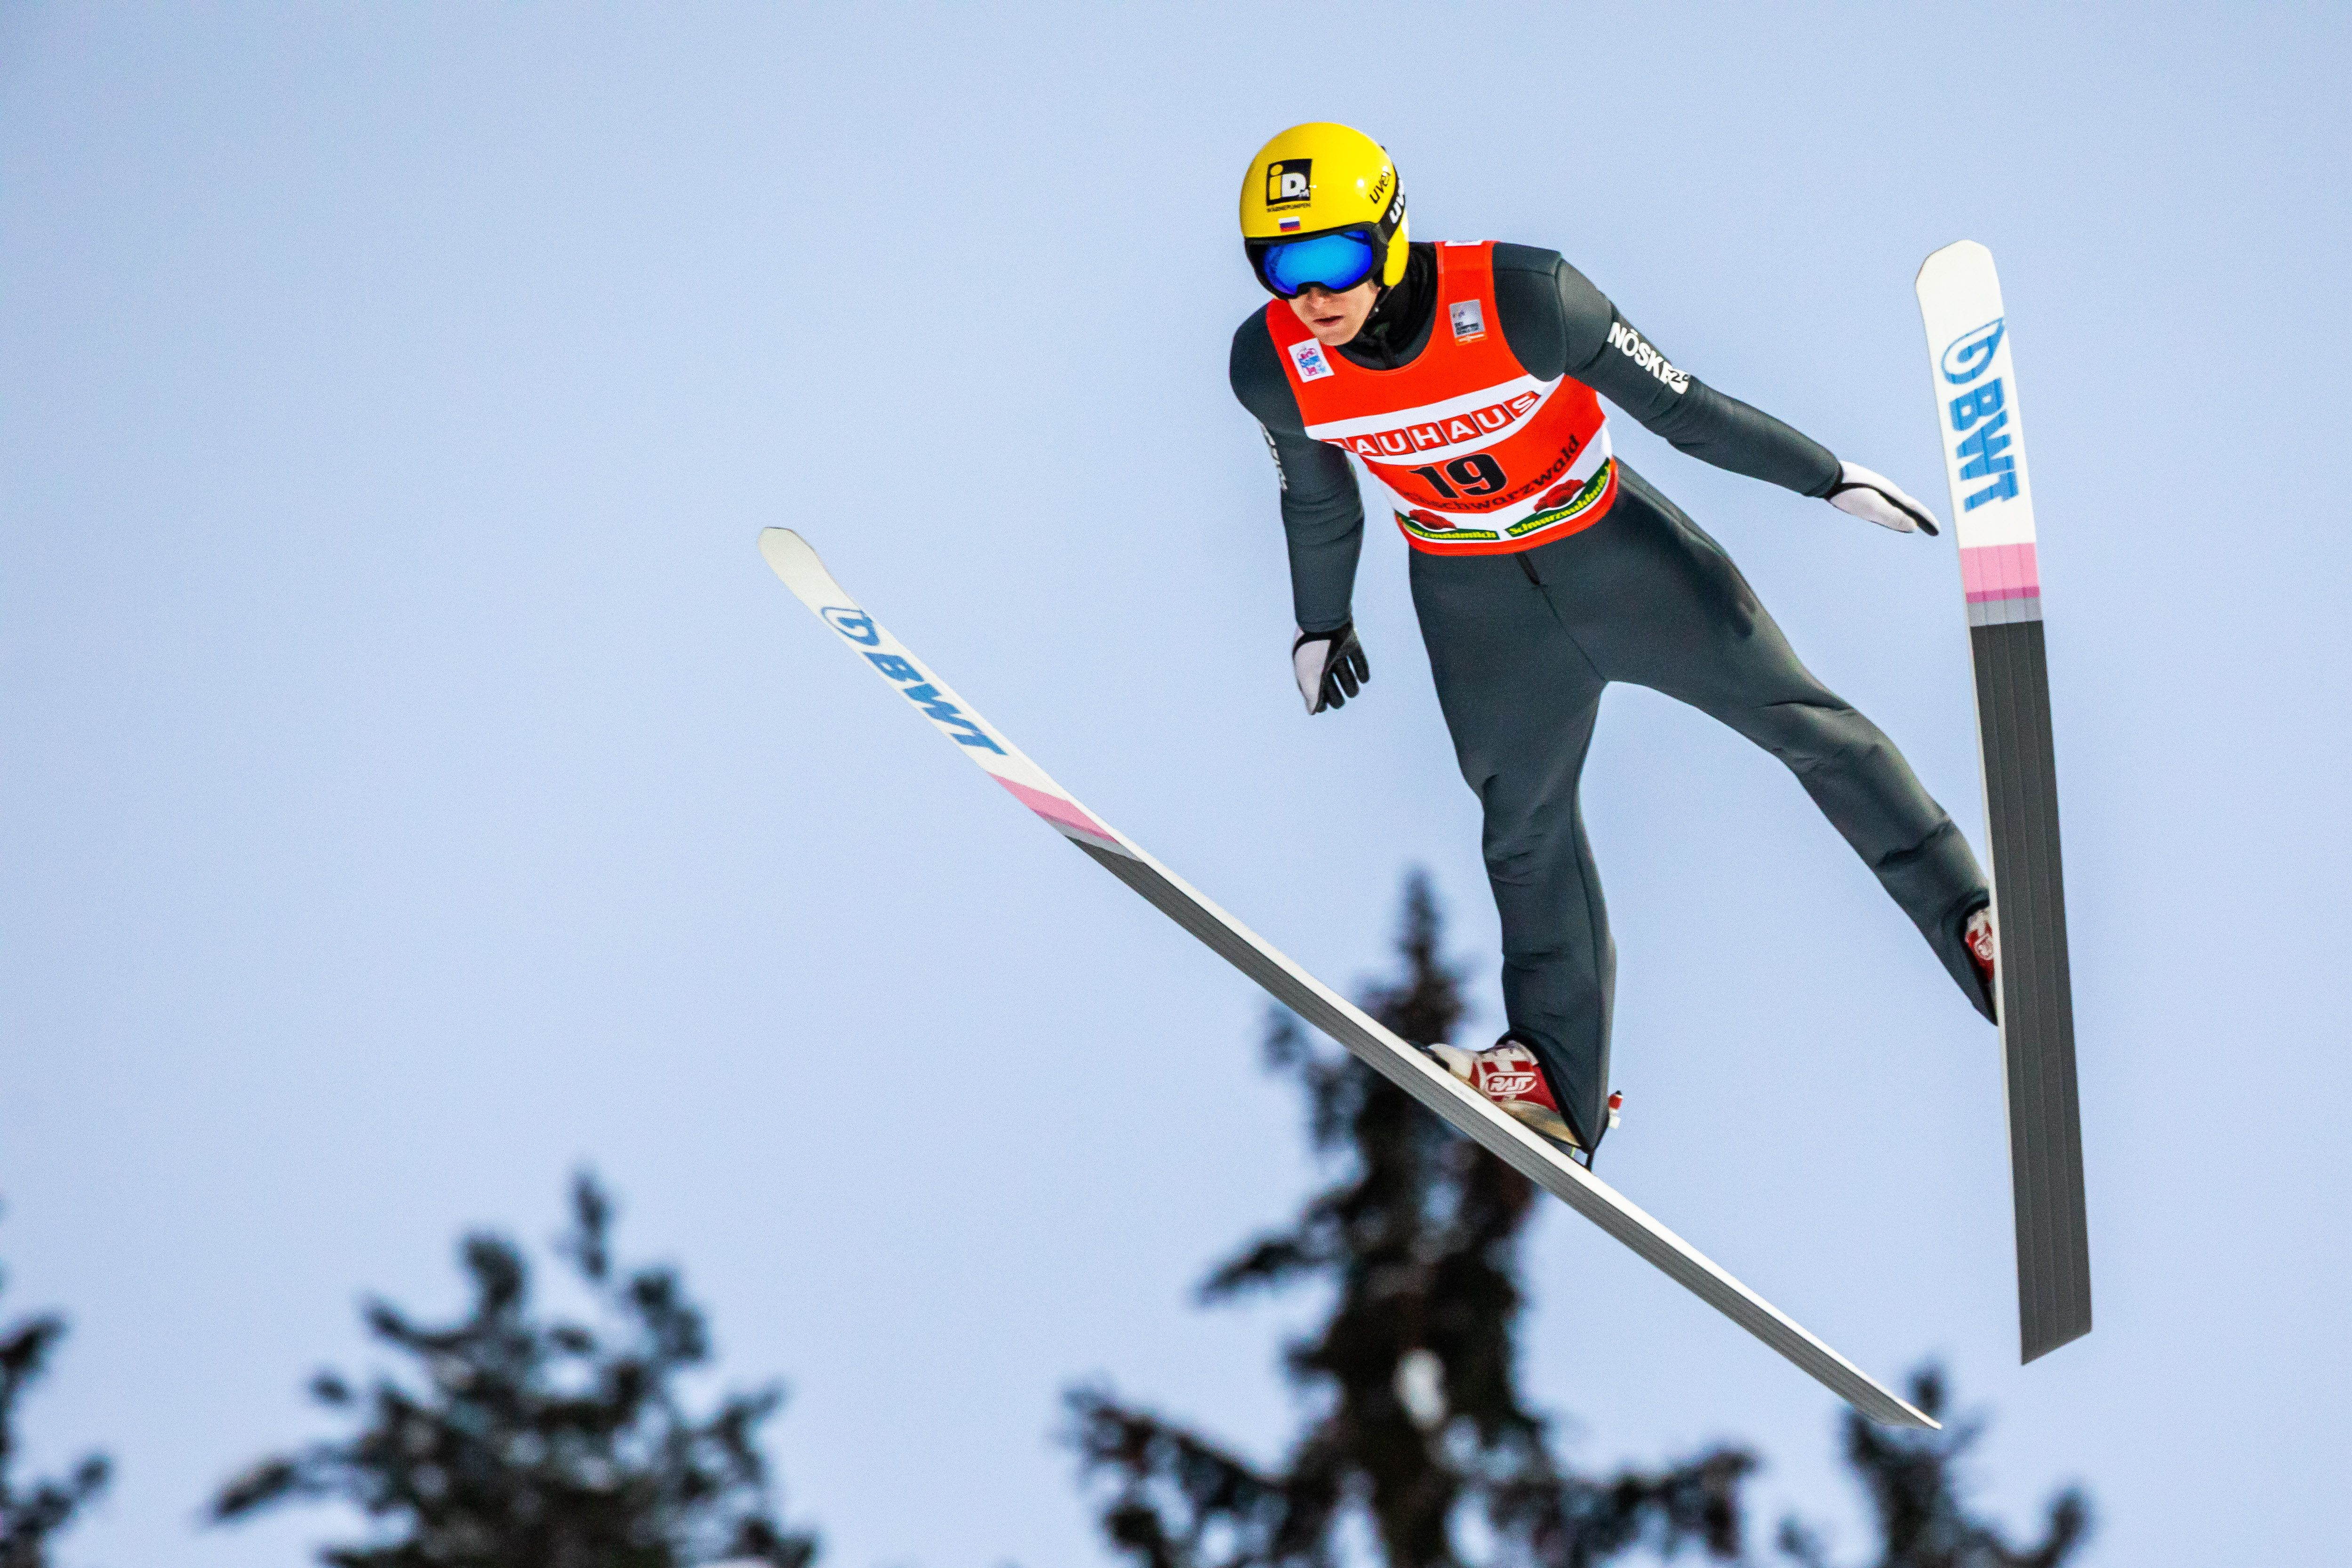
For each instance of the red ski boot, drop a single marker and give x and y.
(1507, 1073)
(1982, 951)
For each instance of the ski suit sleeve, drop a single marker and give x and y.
(1557, 323)
(1322, 512)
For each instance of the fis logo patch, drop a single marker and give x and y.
(1288, 182)
(1308, 359)
(1469, 320)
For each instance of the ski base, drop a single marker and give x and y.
(2036, 1004)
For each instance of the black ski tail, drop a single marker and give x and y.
(2037, 1010)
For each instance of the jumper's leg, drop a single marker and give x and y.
(1671, 612)
(1519, 699)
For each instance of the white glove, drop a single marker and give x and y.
(1874, 497)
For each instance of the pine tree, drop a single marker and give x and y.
(32, 1513)
(1417, 1422)
(1914, 1483)
(526, 1442)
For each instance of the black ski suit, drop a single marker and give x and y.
(1521, 647)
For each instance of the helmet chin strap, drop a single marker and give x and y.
(1381, 293)
(1375, 335)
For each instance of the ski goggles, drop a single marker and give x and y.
(1338, 262)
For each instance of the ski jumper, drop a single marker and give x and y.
(1542, 569)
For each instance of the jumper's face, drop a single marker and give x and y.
(1335, 318)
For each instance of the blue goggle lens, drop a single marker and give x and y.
(1335, 261)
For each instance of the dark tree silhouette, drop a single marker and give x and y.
(1915, 1488)
(32, 1512)
(1415, 1420)
(540, 1443)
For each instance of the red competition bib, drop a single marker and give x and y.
(1480, 457)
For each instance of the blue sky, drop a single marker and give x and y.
(414, 784)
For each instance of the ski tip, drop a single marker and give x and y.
(1882, 1406)
(782, 547)
(1912, 1416)
(1960, 253)
(794, 559)
(791, 558)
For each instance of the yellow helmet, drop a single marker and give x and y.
(1318, 181)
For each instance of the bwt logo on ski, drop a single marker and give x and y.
(925, 696)
(1288, 182)
(1980, 415)
(1970, 354)
(855, 625)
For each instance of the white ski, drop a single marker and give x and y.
(2001, 577)
(1409, 1069)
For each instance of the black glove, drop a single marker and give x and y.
(1331, 667)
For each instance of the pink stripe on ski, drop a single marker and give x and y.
(1061, 813)
(2000, 572)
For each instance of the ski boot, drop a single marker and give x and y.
(1507, 1074)
(1978, 935)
